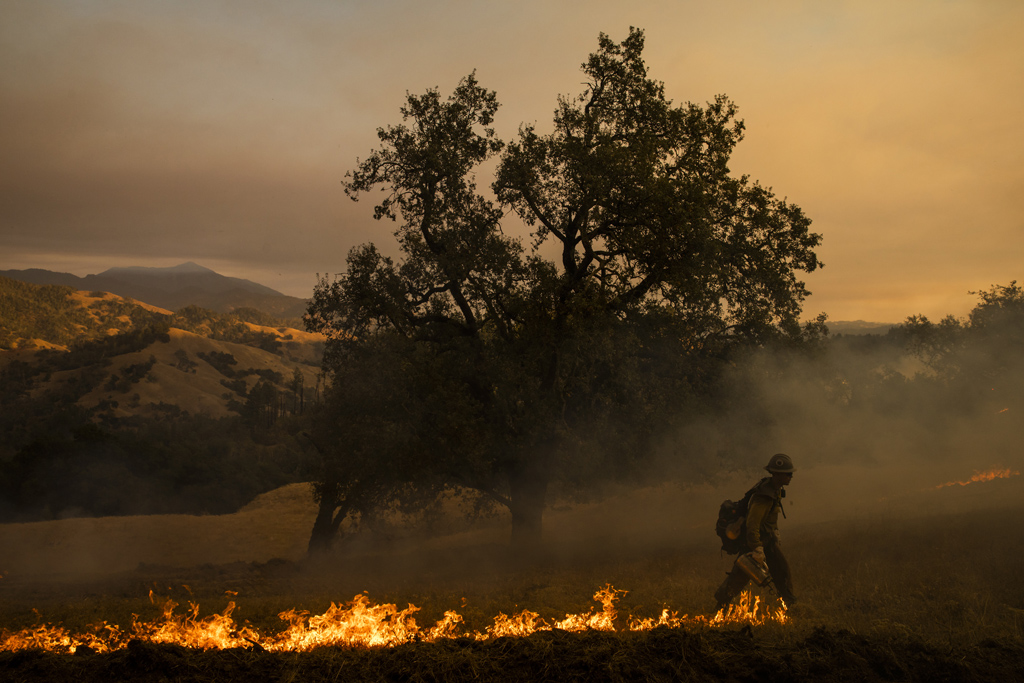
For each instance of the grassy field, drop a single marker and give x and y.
(930, 589)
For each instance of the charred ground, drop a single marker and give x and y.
(660, 655)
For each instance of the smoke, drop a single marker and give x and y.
(873, 433)
(870, 428)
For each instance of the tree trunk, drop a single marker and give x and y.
(325, 528)
(528, 489)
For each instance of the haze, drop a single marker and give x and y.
(218, 132)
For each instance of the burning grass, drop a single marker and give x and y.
(884, 597)
(360, 623)
(978, 477)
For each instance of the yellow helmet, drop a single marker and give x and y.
(780, 463)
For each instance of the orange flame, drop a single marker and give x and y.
(982, 476)
(360, 623)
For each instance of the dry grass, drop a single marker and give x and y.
(929, 598)
(945, 578)
(275, 525)
(886, 596)
(198, 392)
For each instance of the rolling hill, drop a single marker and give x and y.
(39, 321)
(110, 406)
(173, 288)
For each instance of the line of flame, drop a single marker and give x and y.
(360, 623)
(982, 476)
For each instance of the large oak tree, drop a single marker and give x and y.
(508, 368)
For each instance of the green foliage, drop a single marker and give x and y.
(184, 363)
(979, 360)
(221, 361)
(258, 317)
(923, 392)
(34, 312)
(180, 464)
(239, 386)
(91, 352)
(49, 313)
(124, 314)
(58, 458)
(265, 374)
(510, 371)
(263, 406)
(636, 195)
(223, 328)
(89, 358)
(298, 389)
(130, 375)
(224, 363)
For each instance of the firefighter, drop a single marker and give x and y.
(762, 535)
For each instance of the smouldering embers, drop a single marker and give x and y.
(361, 623)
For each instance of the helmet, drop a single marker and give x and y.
(780, 463)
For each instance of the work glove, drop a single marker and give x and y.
(758, 554)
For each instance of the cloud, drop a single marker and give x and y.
(222, 130)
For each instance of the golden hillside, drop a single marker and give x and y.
(197, 388)
(165, 368)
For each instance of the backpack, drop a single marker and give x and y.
(729, 513)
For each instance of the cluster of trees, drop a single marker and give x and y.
(979, 359)
(957, 367)
(225, 327)
(89, 357)
(923, 392)
(247, 314)
(231, 327)
(182, 464)
(656, 291)
(58, 458)
(270, 398)
(49, 313)
(30, 312)
(474, 361)
(130, 375)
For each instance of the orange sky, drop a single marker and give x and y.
(151, 133)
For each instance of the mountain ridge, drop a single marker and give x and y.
(97, 358)
(174, 287)
(186, 267)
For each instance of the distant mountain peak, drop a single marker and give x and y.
(189, 267)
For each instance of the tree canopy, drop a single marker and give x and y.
(979, 356)
(515, 369)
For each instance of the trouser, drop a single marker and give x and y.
(778, 567)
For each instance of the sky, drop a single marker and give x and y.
(149, 133)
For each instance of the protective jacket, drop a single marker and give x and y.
(763, 514)
(762, 523)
